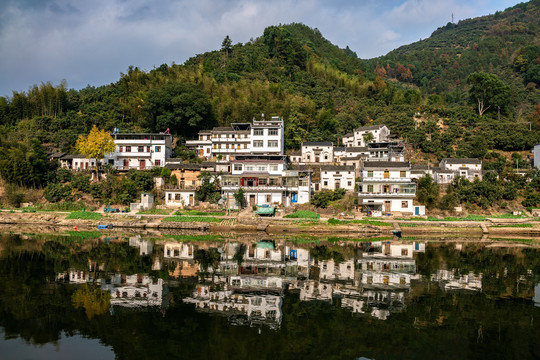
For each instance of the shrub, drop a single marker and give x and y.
(303, 214)
(57, 192)
(84, 215)
(63, 175)
(81, 182)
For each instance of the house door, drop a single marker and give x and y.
(386, 174)
(316, 159)
(126, 164)
(387, 206)
(191, 200)
(416, 210)
(337, 184)
(251, 200)
(142, 164)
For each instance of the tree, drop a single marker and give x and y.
(226, 45)
(428, 192)
(95, 145)
(368, 137)
(240, 198)
(487, 91)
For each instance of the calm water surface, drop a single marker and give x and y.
(84, 295)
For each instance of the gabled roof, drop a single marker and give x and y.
(337, 168)
(348, 135)
(386, 164)
(370, 127)
(339, 148)
(195, 167)
(461, 161)
(317, 143)
(420, 167)
(356, 149)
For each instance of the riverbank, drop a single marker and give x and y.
(364, 227)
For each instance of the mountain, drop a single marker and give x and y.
(420, 90)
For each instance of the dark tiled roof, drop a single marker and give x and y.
(337, 168)
(461, 161)
(370, 127)
(348, 135)
(195, 167)
(68, 157)
(223, 128)
(356, 149)
(339, 148)
(295, 153)
(317, 143)
(386, 164)
(420, 167)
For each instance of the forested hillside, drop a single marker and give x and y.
(425, 92)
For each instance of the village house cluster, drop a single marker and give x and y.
(369, 163)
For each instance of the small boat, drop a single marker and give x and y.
(102, 227)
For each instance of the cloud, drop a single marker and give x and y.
(91, 42)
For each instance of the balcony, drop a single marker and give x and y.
(397, 194)
(388, 179)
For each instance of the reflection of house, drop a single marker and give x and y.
(174, 250)
(450, 280)
(75, 276)
(182, 268)
(134, 290)
(331, 270)
(241, 308)
(145, 246)
(314, 290)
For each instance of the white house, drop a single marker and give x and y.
(379, 133)
(536, 155)
(468, 168)
(225, 143)
(387, 187)
(266, 181)
(317, 152)
(337, 176)
(139, 151)
(179, 198)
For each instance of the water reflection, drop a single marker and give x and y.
(295, 293)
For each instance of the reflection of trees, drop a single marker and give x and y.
(92, 299)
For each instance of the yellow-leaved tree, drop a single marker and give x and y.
(95, 145)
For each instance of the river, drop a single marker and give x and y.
(90, 295)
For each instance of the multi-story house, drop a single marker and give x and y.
(224, 143)
(378, 133)
(450, 168)
(139, 151)
(386, 151)
(265, 181)
(386, 187)
(337, 176)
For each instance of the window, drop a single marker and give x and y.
(386, 174)
(140, 148)
(245, 146)
(258, 132)
(404, 252)
(272, 143)
(349, 183)
(370, 174)
(250, 168)
(325, 183)
(402, 174)
(237, 167)
(325, 156)
(158, 162)
(148, 149)
(258, 143)
(370, 188)
(273, 168)
(261, 168)
(404, 204)
(272, 132)
(128, 148)
(177, 197)
(158, 149)
(268, 198)
(121, 148)
(215, 146)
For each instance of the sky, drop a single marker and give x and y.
(91, 42)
